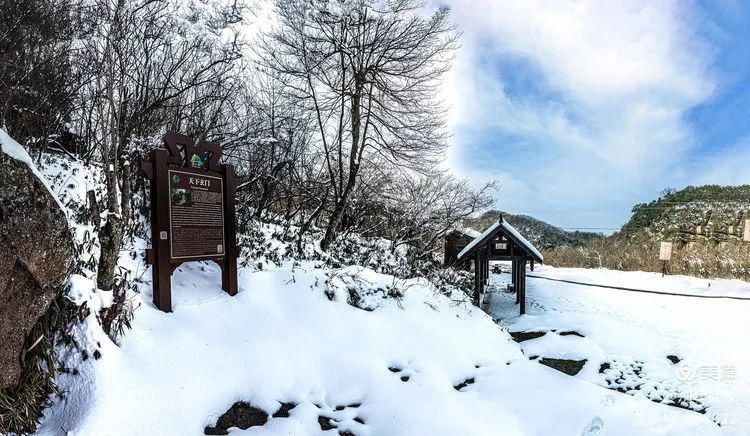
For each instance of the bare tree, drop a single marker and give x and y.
(37, 83)
(148, 60)
(368, 71)
(423, 209)
(274, 138)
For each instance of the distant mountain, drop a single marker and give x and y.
(708, 210)
(543, 235)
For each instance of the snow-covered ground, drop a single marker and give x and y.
(674, 284)
(632, 334)
(414, 363)
(282, 340)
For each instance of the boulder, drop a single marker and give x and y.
(36, 253)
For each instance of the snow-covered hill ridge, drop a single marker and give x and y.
(367, 353)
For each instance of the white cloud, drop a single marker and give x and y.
(621, 74)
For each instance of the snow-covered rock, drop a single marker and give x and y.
(36, 252)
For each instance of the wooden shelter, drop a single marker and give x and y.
(500, 242)
(455, 241)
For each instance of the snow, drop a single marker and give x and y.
(651, 281)
(479, 238)
(509, 229)
(293, 334)
(468, 232)
(635, 332)
(16, 151)
(281, 339)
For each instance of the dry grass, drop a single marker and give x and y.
(22, 406)
(702, 258)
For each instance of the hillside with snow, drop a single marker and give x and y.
(540, 233)
(705, 224)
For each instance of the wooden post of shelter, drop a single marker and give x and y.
(477, 285)
(522, 267)
(513, 271)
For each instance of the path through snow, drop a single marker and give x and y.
(633, 333)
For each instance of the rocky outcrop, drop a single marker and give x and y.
(36, 256)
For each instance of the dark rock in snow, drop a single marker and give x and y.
(525, 336)
(284, 410)
(36, 256)
(241, 415)
(463, 384)
(674, 359)
(326, 423)
(571, 333)
(570, 367)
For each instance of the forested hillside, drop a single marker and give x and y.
(705, 224)
(718, 210)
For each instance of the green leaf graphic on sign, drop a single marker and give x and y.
(196, 161)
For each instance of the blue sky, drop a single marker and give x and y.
(583, 108)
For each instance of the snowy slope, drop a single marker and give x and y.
(280, 339)
(633, 333)
(414, 363)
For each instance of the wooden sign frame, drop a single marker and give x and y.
(182, 155)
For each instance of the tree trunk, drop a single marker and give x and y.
(112, 234)
(126, 195)
(306, 226)
(333, 223)
(96, 217)
(110, 238)
(343, 200)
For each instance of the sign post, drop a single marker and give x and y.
(192, 212)
(665, 255)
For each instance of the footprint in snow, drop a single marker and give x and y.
(403, 371)
(468, 381)
(594, 428)
(333, 418)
